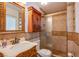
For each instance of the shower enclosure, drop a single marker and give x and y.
(61, 31)
(54, 33)
(54, 37)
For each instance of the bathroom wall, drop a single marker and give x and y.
(59, 37)
(70, 27)
(73, 28)
(73, 44)
(11, 36)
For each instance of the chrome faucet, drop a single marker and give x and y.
(15, 41)
(4, 43)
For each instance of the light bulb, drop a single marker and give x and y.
(43, 3)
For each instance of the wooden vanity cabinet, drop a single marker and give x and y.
(34, 20)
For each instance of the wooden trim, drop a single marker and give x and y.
(32, 8)
(30, 17)
(17, 4)
(3, 17)
(3, 23)
(22, 12)
(5, 33)
(23, 20)
(59, 33)
(52, 14)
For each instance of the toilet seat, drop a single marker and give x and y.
(44, 53)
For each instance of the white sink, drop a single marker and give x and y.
(9, 46)
(13, 50)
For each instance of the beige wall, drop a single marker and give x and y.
(77, 17)
(59, 22)
(11, 36)
(59, 38)
(76, 46)
(60, 43)
(70, 26)
(73, 28)
(70, 17)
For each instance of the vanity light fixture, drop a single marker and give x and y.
(43, 3)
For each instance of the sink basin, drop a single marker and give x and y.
(10, 46)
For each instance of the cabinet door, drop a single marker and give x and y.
(2, 16)
(34, 20)
(39, 23)
(36, 23)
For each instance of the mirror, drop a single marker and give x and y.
(11, 22)
(13, 17)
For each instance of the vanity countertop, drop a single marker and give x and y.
(13, 50)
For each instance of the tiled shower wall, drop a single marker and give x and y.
(70, 27)
(59, 33)
(73, 36)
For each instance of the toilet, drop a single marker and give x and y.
(44, 53)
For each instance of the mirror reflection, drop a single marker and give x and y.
(13, 19)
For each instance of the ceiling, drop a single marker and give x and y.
(51, 7)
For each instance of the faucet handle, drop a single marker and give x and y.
(4, 43)
(17, 40)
